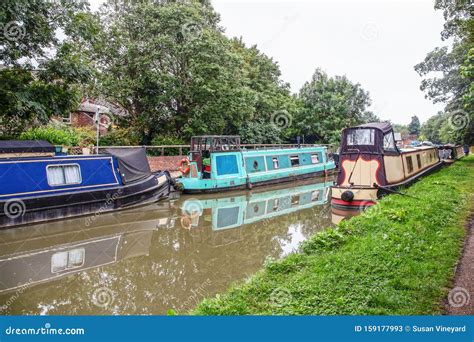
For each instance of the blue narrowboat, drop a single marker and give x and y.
(218, 163)
(38, 185)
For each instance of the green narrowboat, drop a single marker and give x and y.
(218, 163)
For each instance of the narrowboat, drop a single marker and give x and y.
(371, 165)
(46, 252)
(218, 163)
(449, 153)
(236, 211)
(38, 185)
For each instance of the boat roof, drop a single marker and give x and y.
(383, 126)
(26, 146)
(415, 148)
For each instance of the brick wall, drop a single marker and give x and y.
(83, 119)
(170, 163)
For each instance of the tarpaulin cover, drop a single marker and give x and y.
(383, 126)
(133, 163)
(26, 146)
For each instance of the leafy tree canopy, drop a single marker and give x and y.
(171, 67)
(455, 64)
(33, 85)
(414, 125)
(329, 104)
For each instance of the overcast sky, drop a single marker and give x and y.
(374, 43)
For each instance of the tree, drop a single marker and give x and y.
(414, 125)
(455, 86)
(431, 128)
(329, 104)
(273, 110)
(29, 93)
(170, 65)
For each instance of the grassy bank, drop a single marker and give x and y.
(397, 258)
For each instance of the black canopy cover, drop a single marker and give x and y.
(383, 126)
(379, 130)
(26, 146)
(133, 163)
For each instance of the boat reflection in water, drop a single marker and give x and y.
(337, 215)
(57, 249)
(142, 261)
(231, 212)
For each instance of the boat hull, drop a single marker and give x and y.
(363, 197)
(250, 185)
(28, 210)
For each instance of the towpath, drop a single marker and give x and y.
(460, 300)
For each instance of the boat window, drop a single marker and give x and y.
(227, 165)
(255, 165)
(255, 209)
(276, 204)
(314, 159)
(276, 164)
(67, 260)
(409, 164)
(360, 137)
(227, 217)
(389, 142)
(63, 174)
(315, 195)
(295, 200)
(295, 160)
(418, 159)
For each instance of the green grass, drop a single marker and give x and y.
(398, 258)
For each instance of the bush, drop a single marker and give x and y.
(86, 136)
(61, 135)
(56, 136)
(120, 137)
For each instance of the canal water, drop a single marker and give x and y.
(148, 260)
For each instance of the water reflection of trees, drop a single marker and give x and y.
(174, 269)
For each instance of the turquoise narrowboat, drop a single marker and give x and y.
(243, 209)
(218, 163)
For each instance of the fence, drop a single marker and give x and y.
(177, 150)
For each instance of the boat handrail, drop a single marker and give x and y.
(246, 147)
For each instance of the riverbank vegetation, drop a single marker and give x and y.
(397, 258)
